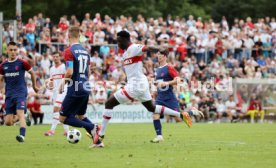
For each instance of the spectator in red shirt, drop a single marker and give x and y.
(219, 47)
(182, 50)
(255, 107)
(62, 24)
(30, 25)
(249, 23)
(35, 109)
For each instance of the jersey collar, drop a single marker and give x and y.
(129, 45)
(163, 65)
(74, 44)
(13, 60)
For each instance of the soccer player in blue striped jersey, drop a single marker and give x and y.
(12, 71)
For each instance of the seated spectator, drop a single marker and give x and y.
(220, 109)
(231, 108)
(35, 109)
(255, 108)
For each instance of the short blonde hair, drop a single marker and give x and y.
(74, 31)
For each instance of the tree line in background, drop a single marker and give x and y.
(149, 8)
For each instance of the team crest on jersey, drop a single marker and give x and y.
(5, 68)
(22, 104)
(16, 67)
(162, 74)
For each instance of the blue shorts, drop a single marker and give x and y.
(72, 106)
(15, 103)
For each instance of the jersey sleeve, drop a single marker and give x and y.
(26, 65)
(140, 49)
(68, 56)
(1, 70)
(172, 72)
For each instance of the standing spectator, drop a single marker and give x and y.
(219, 47)
(87, 20)
(62, 25)
(99, 36)
(45, 64)
(40, 23)
(248, 44)
(97, 20)
(30, 25)
(104, 50)
(96, 59)
(101, 96)
(30, 37)
(48, 23)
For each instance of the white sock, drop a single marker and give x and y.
(106, 117)
(55, 121)
(165, 110)
(66, 127)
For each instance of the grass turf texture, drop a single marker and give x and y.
(127, 145)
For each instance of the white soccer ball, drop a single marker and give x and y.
(73, 136)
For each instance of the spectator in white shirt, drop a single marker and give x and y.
(97, 60)
(221, 109)
(98, 36)
(248, 44)
(231, 107)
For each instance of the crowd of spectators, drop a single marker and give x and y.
(201, 50)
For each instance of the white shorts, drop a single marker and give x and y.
(133, 91)
(58, 98)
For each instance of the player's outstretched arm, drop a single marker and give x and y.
(33, 77)
(151, 49)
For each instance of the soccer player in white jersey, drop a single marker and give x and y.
(57, 72)
(137, 87)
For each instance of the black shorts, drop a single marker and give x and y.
(72, 106)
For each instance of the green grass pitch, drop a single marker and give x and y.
(128, 146)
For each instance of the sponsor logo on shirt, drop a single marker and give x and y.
(12, 74)
(127, 61)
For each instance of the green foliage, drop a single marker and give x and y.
(148, 8)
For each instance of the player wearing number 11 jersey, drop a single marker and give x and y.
(75, 102)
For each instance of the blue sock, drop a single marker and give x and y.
(78, 123)
(190, 113)
(22, 131)
(157, 127)
(87, 121)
